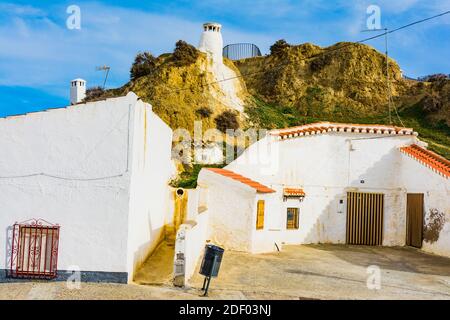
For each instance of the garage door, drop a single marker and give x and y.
(365, 218)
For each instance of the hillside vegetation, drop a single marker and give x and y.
(180, 86)
(295, 84)
(344, 83)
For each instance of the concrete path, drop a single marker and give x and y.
(336, 272)
(158, 268)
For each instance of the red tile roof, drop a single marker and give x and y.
(325, 127)
(230, 174)
(293, 192)
(428, 158)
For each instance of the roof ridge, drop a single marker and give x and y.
(432, 154)
(324, 127)
(428, 158)
(240, 178)
(50, 109)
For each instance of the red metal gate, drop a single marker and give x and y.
(34, 249)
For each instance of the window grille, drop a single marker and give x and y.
(34, 250)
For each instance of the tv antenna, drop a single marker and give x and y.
(106, 69)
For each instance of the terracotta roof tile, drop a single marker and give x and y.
(293, 192)
(428, 158)
(325, 127)
(230, 174)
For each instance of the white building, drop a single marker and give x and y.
(100, 171)
(331, 183)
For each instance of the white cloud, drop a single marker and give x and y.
(35, 50)
(21, 10)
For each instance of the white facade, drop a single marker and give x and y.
(326, 164)
(99, 170)
(77, 91)
(418, 178)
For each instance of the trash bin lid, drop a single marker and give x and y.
(215, 248)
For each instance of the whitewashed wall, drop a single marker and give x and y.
(436, 189)
(105, 180)
(83, 145)
(152, 169)
(268, 238)
(327, 167)
(230, 207)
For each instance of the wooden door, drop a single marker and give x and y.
(365, 218)
(414, 220)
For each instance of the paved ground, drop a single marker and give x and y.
(298, 272)
(336, 272)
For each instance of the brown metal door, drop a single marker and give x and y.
(365, 218)
(414, 219)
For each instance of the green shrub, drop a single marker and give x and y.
(204, 112)
(227, 120)
(144, 63)
(279, 47)
(320, 62)
(432, 103)
(188, 179)
(94, 93)
(184, 54)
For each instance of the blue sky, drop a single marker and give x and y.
(39, 55)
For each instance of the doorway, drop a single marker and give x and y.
(365, 218)
(414, 220)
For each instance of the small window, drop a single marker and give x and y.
(292, 218)
(260, 215)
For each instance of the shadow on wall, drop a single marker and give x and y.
(8, 253)
(163, 244)
(318, 233)
(321, 230)
(146, 250)
(399, 258)
(433, 225)
(180, 197)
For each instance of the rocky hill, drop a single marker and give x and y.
(294, 85)
(182, 87)
(345, 82)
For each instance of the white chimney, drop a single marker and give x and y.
(77, 90)
(211, 41)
